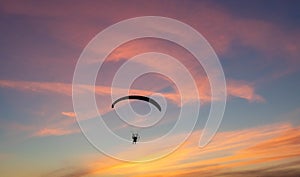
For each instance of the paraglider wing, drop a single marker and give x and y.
(138, 97)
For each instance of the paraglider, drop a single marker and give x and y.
(138, 97)
(135, 136)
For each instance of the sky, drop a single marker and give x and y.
(257, 43)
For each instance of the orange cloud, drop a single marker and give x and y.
(51, 124)
(69, 114)
(243, 90)
(53, 132)
(50, 87)
(231, 152)
(235, 88)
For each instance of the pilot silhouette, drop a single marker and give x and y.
(135, 137)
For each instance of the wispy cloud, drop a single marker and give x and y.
(218, 25)
(235, 152)
(58, 125)
(243, 90)
(54, 132)
(69, 114)
(235, 88)
(68, 172)
(54, 127)
(43, 40)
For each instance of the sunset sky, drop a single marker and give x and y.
(257, 43)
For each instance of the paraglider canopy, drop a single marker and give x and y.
(137, 97)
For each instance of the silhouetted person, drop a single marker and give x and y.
(135, 137)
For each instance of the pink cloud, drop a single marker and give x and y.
(217, 24)
(53, 132)
(243, 90)
(239, 89)
(69, 114)
(42, 87)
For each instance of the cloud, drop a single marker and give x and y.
(42, 87)
(40, 125)
(288, 169)
(265, 150)
(56, 125)
(68, 172)
(69, 114)
(211, 20)
(286, 143)
(222, 28)
(53, 132)
(55, 128)
(239, 89)
(243, 90)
